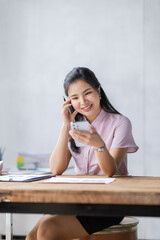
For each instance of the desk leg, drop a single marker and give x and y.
(9, 226)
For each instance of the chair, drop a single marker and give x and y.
(126, 230)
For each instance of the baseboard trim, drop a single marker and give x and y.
(14, 237)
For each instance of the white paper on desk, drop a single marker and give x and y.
(78, 180)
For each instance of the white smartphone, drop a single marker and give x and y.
(81, 125)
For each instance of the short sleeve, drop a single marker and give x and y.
(122, 137)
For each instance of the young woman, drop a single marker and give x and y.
(104, 152)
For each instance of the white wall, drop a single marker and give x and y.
(42, 40)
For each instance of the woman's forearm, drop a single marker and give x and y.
(107, 163)
(60, 156)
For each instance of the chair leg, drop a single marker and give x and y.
(9, 225)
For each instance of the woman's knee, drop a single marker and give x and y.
(31, 236)
(47, 231)
(33, 233)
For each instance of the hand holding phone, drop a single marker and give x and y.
(81, 125)
(70, 108)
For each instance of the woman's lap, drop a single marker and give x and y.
(94, 224)
(69, 227)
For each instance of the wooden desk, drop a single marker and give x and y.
(136, 196)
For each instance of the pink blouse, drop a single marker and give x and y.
(116, 132)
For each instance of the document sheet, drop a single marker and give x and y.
(79, 180)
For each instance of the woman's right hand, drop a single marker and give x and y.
(66, 115)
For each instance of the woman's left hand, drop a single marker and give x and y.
(91, 138)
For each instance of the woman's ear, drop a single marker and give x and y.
(99, 89)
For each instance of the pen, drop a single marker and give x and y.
(2, 151)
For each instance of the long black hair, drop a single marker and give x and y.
(88, 76)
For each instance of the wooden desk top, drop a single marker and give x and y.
(124, 190)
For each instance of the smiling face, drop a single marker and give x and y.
(85, 99)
